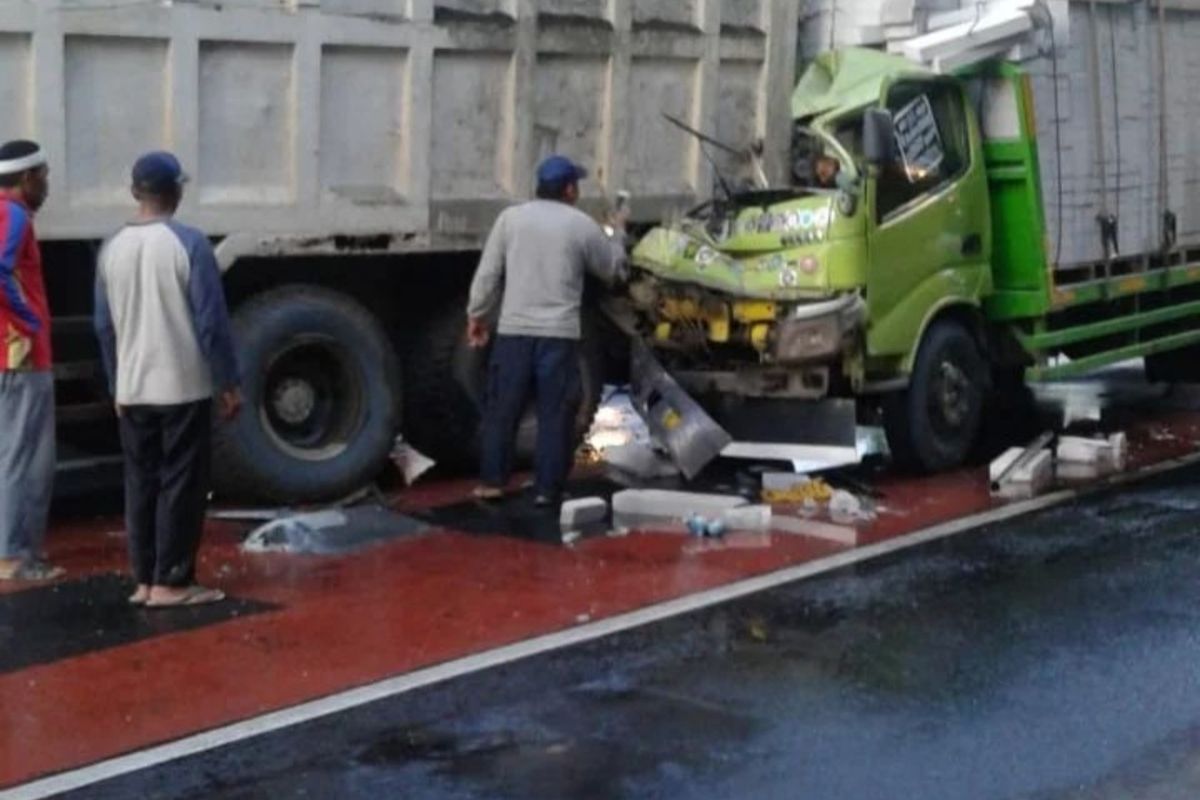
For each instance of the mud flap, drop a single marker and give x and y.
(675, 420)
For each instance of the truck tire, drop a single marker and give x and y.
(934, 424)
(445, 393)
(322, 389)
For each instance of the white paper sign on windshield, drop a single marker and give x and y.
(918, 137)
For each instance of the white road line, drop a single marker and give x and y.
(391, 687)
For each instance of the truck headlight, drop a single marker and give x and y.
(815, 331)
(807, 340)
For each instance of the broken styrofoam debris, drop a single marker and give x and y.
(1105, 454)
(748, 518)
(574, 514)
(841, 534)
(1018, 480)
(571, 537)
(639, 508)
(411, 463)
(639, 460)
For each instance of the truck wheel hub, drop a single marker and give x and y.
(952, 394)
(294, 400)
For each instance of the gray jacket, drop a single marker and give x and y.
(535, 258)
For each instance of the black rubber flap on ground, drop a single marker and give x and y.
(516, 516)
(50, 623)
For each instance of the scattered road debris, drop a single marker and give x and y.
(780, 488)
(1023, 472)
(574, 514)
(411, 463)
(638, 461)
(845, 507)
(1109, 453)
(331, 532)
(658, 508)
(675, 420)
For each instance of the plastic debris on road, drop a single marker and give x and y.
(411, 463)
(331, 532)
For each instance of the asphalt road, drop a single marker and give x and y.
(1055, 657)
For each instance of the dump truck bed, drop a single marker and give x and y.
(414, 120)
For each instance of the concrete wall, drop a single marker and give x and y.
(417, 119)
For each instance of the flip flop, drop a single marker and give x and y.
(33, 571)
(193, 596)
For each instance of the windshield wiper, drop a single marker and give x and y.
(753, 154)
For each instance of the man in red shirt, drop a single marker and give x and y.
(26, 376)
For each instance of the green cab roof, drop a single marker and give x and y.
(848, 78)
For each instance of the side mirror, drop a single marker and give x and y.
(879, 137)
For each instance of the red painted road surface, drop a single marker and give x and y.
(344, 621)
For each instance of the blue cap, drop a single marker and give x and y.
(559, 169)
(158, 171)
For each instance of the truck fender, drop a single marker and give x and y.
(901, 331)
(967, 309)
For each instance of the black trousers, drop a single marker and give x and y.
(167, 458)
(549, 370)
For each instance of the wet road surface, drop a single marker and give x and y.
(1053, 657)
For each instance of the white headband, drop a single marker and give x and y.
(14, 165)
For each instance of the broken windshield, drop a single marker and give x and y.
(824, 162)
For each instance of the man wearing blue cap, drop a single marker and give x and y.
(166, 343)
(533, 266)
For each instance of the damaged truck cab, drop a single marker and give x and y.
(864, 279)
(907, 271)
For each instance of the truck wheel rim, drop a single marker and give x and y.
(951, 397)
(312, 400)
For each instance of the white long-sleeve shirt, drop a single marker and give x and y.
(534, 263)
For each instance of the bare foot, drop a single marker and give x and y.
(140, 595)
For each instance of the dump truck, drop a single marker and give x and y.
(945, 237)
(348, 157)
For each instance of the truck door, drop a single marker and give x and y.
(929, 232)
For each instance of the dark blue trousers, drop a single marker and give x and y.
(547, 369)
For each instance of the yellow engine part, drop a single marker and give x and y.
(662, 332)
(751, 311)
(715, 316)
(759, 336)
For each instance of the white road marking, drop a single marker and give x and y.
(391, 687)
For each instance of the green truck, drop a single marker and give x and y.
(906, 268)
